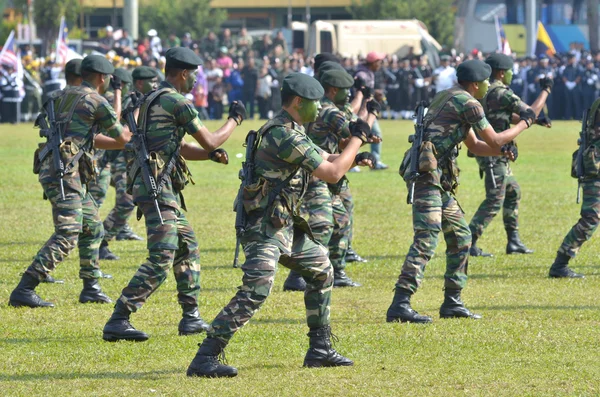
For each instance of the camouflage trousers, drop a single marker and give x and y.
(346, 196)
(506, 196)
(307, 258)
(172, 245)
(99, 187)
(436, 211)
(585, 227)
(328, 219)
(121, 212)
(76, 222)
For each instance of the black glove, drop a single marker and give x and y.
(365, 156)
(213, 156)
(367, 92)
(528, 115)
(374, 107)
(237, 112)
(361, 130)
(359, 82)
(115, 82)
(544, 121)
(136, 98)
(512, 148)
(547, 84)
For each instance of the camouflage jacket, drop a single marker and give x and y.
(283, 149)
(168, 118)
(499, 105)
(92, 109)
(450, 116)
(331, 126)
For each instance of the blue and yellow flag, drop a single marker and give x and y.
(543, 43)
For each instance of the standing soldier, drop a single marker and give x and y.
(165, 117)
(451, 119)
(571, 76)
(76, 220)
(283, 160)
(589, 84)
(502, 108)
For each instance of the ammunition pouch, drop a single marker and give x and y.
(87, 169)
(37, 164)
(450, 172)
(427, 159)
(591, 161)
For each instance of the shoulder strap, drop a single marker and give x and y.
(448, 95)
(143, 117)
(484, 104)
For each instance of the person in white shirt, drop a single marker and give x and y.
(444, 75)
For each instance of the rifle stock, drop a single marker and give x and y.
(416, 139)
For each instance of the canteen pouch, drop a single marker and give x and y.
(181, 175)
(427, 160)
(37, 164)
(254, 194)
(591, 161)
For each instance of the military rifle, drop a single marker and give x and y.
(417, 140)
(583, 144)
(247, 178)
(53, 133)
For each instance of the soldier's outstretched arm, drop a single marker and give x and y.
(536, 106)
(195, 153)
(479, 147)
(332, 170)
(212, 140)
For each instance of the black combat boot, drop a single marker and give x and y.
(515, 245)
(560, 268)
(475, 250)
(51, 280)
(105, 253)
(92, 293)
(24, 294)
(321, 353)
(352, 256)
(118, 326)
(191, 322)
(127, 233)
(453, 306)
(210, 361)
(341, 279)
(294, 282)
(400, 310)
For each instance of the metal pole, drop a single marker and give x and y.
(130, 17)
(114, 15)
(308, 29)
(289, 14)
(30, 17)
(531, 25)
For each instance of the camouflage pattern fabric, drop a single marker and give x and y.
(339, 242)
(124, 206)
(273, 233)
(98, 188)
(499, 105)
(76, 220)
(346, 196)
(587, 224)
(173, 244)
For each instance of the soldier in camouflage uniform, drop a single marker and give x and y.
(166, 116)
(327, 216)
(587, 224)
(501, 108)
(451, 119)
(283, 159)
(144, 80)
(76, 220)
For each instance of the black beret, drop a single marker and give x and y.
(73, 67)
(570, 55)
(324, 57)
(144, 73)
(302, 85)
(473, 71)
(499, 61)
(124, 75)
(328, 65)
(182, 58)
(337, 79)
(97, 64)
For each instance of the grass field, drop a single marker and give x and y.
(538, 336)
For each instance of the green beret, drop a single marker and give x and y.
(302, 85)
(337, 79)
(499, 61)
(144, 73)
(473, 71)
(124, 75)
(182, 58)
(73, 67)
(324, 57)
(328, 65)
(97, 64)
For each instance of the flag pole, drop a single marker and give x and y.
(498, 38)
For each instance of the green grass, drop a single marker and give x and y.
(538, 336)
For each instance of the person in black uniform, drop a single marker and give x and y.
(589, 81)
(571, 77)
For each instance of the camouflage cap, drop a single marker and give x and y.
(97, 64)
(73, 67)
(499, 61)
(337, 79)
(182, 58)
(124, 75)
(302, 85)
(144, 73)
(473, 71)
(328, 65)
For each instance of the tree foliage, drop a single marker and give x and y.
(179, 17)
(438, 15)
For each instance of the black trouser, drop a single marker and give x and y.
(248, 98)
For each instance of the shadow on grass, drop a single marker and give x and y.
(91, 375)
(13, 260)
(534, 307)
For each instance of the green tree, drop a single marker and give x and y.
(179, 17)
(437, 15)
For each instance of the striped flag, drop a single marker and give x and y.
(8, 55)
(544, 43)
(62, 50)
(503, 46)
